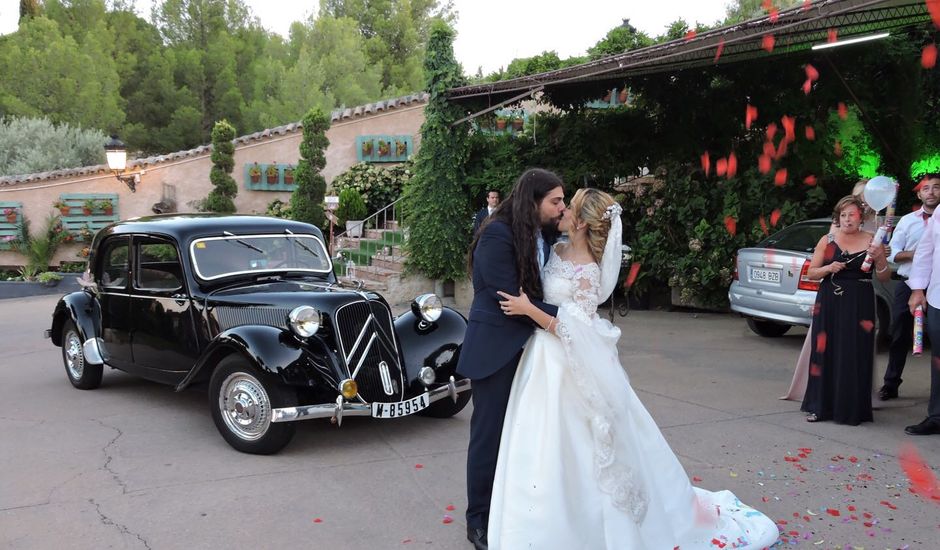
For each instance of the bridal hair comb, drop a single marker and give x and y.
(612, 211)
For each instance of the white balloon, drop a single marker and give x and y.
(879, 192)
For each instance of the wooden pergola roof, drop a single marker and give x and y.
(796, 29)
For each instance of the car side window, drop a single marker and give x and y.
(114, 266)
(158, 266)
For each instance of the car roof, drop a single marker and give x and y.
(185, 227)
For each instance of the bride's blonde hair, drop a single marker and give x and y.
(589, 206)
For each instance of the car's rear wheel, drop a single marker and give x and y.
(82, 375)
(767, 329)
(242, 400)
(447, 407)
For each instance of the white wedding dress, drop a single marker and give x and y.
(582, 465)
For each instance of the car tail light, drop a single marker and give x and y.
(734, 274)
(805, 282)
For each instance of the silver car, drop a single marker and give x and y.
(771, 290)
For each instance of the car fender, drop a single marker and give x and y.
(436, 344)
(273, 350)
(82, 309)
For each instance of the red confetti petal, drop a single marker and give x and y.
(814, 370)
(447, 519)
(821, 342)
(811, 133)
(811, 72)
(928, 57)
(923, 481)
(771, 131)
(833, 512)
(769, 149)
(767, 4)
(317, 520)
(810, 180)
(866, 325)
(837, 148)
(631, 277)
(706, 163)
(807, 4)
(690, 35)
(775, 217)
(721, 48)
(696, 479)
(843, 111)
(933, 6)
(763, 164)
(450, 508)
(833, 36)
(807, 86)
(767, 42)
(774, 15)
(763, 225)
(780, 179)
(419, 466)
(750, 115)
(789, 128)
(731, 225)
(782, 150)
(853, 459)
(732, 165)
(721, 167)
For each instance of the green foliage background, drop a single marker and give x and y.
(224, 189)
(306, 202)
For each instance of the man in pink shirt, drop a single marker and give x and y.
(925, 267)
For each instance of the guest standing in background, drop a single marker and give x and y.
(492, 201)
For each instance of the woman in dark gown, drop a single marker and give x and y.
(843, 336)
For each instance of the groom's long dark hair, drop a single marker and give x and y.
(520, 211)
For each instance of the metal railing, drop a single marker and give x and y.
(380, 220)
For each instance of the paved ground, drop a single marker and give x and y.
(134, 465)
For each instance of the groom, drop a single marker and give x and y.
(508, 254)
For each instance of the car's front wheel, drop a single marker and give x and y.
(82, 375)
(447, 407)
(242, 399)
(767, 329)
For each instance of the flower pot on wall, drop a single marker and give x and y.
(271, 174)
(354, 228)
(108, 210)
(500, 123)
(289, 177)
(623, 96)
(64, 210)
(11, 218)
(517, 124)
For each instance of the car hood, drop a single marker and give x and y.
(288, 294)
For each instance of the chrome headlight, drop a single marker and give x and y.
(304, 321)
(428, 307)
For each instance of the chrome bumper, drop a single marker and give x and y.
(336, 411)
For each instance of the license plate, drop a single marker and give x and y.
(765, 275)
(401, 408)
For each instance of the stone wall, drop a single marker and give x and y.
(184, 176)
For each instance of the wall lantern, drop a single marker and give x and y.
(116, 152)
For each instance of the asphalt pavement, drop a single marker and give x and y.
(135, 465)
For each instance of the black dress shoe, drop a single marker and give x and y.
(927, 427)
(887, 392)
(477, 535)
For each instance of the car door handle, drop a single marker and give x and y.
(180, 299)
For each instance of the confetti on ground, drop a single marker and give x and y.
(419, 466)
(317, 520)
(450, 508)
(922, 479)
(447, 519)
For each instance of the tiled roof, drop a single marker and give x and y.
(338, 115)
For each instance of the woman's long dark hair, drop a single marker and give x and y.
(520, 211)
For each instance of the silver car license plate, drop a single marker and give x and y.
(765, 275)
(401, 408)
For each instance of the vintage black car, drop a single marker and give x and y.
(251, 305)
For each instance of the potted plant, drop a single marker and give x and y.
(254, 173)
(517, 123)
(107, 206)
(62, 206)
(384, 148)
(623, 96)
(352, 209)
(89, 206)
(289, 175)
(86, 233)
(500, 123)
(49, 278)
(271, 173)
(10, 214)
(401, 148)
(367, 148)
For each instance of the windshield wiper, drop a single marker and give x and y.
(301, 245)
(243, 243)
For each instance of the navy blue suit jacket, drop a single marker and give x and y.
(493, 338)
(480, 218)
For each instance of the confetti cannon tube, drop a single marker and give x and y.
(879, 237)
(918, 331)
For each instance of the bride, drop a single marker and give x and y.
(582, 465)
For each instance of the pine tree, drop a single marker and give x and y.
(306, 201)
(223, 161)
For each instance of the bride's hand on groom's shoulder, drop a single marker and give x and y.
(515, 305)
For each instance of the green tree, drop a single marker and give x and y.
(223, 161)
(29, 8)
(621, 38)
(742, 10)
(306, 201)
(434, 197)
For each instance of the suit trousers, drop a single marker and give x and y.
(933, 329)
(490, 399)
(902, 335)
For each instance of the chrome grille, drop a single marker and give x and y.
(229, 317)
(367, 342)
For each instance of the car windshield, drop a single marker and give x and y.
(801, 237)
(216, 257)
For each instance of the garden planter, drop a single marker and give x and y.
(623, 96)
(354, 228)
(272, 178)
(255, 178)
(11, 218)
(86, 211)
(500, 124)
(517, 124)
(289, 179)
(109, 211)
(367, 149)
(64, 210)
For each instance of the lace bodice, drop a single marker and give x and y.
(564, 281)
